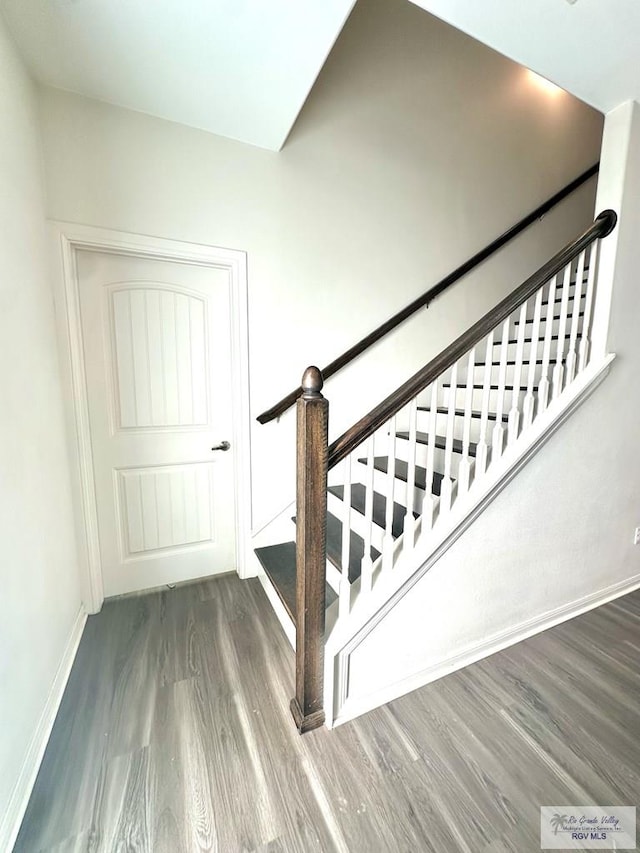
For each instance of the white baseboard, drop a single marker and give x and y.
(12, 819)
(252, 566)
(354, 707)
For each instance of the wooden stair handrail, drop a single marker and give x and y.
(367, 426)
(426, 298)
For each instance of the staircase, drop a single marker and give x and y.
(279, 561)
(402, 483)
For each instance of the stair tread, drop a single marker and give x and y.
(558, 299)
(334, 547)
(440, 442)
(480, 386)
(358, 498)
(442, 410)
(545, 319)
(539, 340)
(279, 563)
(513, 363)
(402, 473)
(356, 548)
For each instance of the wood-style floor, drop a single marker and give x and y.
(174, 735)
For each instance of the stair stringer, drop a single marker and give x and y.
(345, 635)
(278, 529)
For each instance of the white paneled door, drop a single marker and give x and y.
(156, 341)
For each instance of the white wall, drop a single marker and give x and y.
(40, 599)
(416, 147)
(561, 534)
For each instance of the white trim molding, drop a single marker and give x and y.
(14, 815)
(345, 638)
(359, 705)
(67, 240)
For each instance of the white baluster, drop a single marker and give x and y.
(428, 505)
(543, 385)
(409, 519)
(529, 400)
(345, 584)
(558, 368)
(446, 489)
(572, 355)
(588, 306)
(366, 567)
(464, 469)
(387, 541)
(482, 449)
(498, 434)
(344, 596)
(513, 425)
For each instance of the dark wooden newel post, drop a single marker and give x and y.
(311, 551)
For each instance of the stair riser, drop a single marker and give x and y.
(476, 402)
(542, 328)
(402, 452)
(424, 422)
(357, 522)
(510, 373)
(557, 305)
(527, 350)
(559, 288)
(380, 484)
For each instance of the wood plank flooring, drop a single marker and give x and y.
(174, 735)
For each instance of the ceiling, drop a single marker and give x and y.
(243, 68)
(238, 68)
(591, 48)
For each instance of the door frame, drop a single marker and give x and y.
(66, 240)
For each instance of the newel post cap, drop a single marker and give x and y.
(312, 382)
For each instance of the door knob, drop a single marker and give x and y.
(224, 445)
